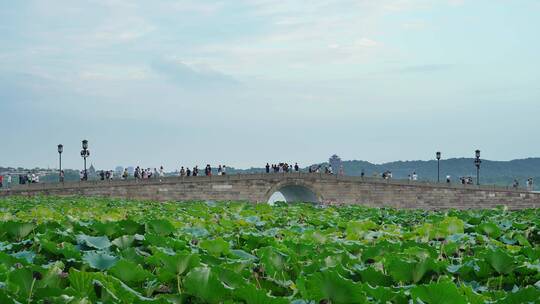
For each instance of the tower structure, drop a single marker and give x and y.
(335, 162)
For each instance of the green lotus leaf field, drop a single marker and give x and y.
(96, 250)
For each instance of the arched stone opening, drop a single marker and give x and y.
(293, 194)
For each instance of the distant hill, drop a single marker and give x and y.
(454, 166)
(500, 173)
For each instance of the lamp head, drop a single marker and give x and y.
(438, 155)
(60, 148)
(477, 153)
(85, 144)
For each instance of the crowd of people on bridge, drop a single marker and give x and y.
(466, 180)
(221, 170)
(282, 168)
(388, 175)
(289, 168)
(27, 178)
(529, 184)
(141, 173)
(325, 169)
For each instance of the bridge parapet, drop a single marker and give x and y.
(257, 176)
(324, 188)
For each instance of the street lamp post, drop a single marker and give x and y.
(477, 163)
(438, 155)
(84, 154)
(60, 150)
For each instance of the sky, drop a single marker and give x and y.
(245, 82)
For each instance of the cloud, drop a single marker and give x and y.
(113, 73)
(404, 5)
(426, 68)
(197, 7)
(120, 33)
(415, 25)
(366, 42)
(456, 2)
(189, 76)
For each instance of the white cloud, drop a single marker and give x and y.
(415, 25)
(119, 33)
(456, 2)
(197, 7)
(114, 73)
(366, 42)
(190, 76)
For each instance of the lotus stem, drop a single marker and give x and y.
(31, 290)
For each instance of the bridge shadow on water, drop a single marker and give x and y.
(293, 193)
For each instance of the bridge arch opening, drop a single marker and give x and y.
(293, 194)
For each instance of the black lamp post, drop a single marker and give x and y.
(438, 155)
(477, 163)
(60, 150)
(84, 154)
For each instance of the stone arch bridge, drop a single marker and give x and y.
(295, 187)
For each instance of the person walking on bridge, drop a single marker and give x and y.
(161, 172)
(530, 184)
(296, 167)
(267, 168)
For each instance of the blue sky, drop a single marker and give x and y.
(246, 82)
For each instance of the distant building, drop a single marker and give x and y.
(119, 170)
(336, 163)
(131, 170)
(91, 170)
